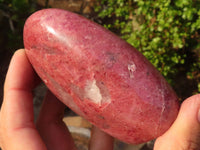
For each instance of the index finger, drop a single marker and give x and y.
(20, 80)
(16, 119)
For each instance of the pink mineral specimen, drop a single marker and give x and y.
(99, 76)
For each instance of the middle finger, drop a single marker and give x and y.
(51, 127)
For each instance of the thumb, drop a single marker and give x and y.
(184, 134)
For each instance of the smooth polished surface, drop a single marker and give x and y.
(99, 76)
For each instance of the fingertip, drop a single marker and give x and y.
(19, 52)
(189, 111)
(185, 131)
(20, 73)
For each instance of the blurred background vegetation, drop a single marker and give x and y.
(167, 32)
(13, 14)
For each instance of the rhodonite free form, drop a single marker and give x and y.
(99, 76)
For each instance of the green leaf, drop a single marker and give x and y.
(181, 3)
(19, 4)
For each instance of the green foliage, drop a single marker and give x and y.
(13, 15)
(165, 31)
(117, 10)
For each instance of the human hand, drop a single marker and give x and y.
(18, 131)
(17, 128)
(184, 134)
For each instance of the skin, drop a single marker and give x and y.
(19, 132)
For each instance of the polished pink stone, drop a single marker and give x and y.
(99, 76)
